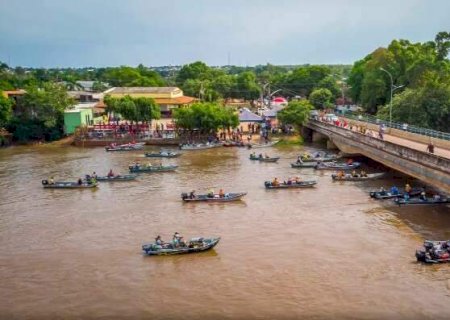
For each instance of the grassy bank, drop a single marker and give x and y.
(290, 141)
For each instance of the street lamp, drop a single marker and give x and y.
(392, 91)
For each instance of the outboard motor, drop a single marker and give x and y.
(44, 182)
(184, 196)
(428, 245)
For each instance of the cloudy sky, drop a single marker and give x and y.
(58, 33)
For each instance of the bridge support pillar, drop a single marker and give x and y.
(331, 145)
(317, 137)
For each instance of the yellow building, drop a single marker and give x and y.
(167, 98)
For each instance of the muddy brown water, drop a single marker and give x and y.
(326, 252)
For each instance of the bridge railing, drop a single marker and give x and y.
(400, 126)
(418, 156)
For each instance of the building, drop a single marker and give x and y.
(15, 96)
(168, 98)
(83, 114)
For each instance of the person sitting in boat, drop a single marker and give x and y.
(340, 174)
(159, 241)
(437, 197)
(110, 173)
(354, 174)
(297, 179)
(299, 160)
(51, 180)
(363, 173)
(275, 182)
(211, 193)
(221, 193)
(266, 156)
(382, 191)
(260, 156)
(305, 156)
(192, 194)
(289, 182)
(80, 181)
(394, 190)
(254, 155)
(149, 165)
(94, 175)
(423, 196)
(349, 161)
(407, 188)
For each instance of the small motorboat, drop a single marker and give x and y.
(262, 145)
(381, 195)
(264, 159)
(358, 177)
(319, 156)
(200, 146)
(162, 154)
(213, 198)
(303, 165)
(337, 166)
(434, 252)
(149, 168)
(67, 185)
(292, 185)
(233, 144)
(422, 201)
(125, 147)
(118, 177)
(193, 245)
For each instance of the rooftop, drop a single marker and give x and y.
(129, 90)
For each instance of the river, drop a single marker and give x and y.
(327, 252)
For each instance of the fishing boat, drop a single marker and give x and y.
(262, 145)
(125, 147)
(148, 168)
(434, 252)
(67, 185)
(233, 144)
(200, 146)
(214, 198)
(381, 195)
(264, 159)
(193, 245)
(292, 185)
(119, 177)
(422, 201)
(162, 154)
(349, 177)
(337, 166)
(319, 156)
(303, 165)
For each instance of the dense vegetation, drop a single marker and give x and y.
(133, 109)
(296, 113)
(423, 70)
(205, 117)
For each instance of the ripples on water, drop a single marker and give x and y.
(327, 252)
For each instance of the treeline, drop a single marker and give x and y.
(421, 82)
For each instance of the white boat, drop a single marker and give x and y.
(200, 146)
(263, 145)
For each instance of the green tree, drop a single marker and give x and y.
(246, 86)
(99, 86)
(321, 98)
(5, 110)
(205, 117)
(147, 109)
(42, 113)
(296, 113)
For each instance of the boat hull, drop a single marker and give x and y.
(371, 176)
(152, 169)
(352, 166)
(125, 177)
(303, 184)
(204, 198)
(209, 244)
(69, 185)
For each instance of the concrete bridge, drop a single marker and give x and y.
(433, 169)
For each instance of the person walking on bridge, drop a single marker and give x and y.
(430, 147)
